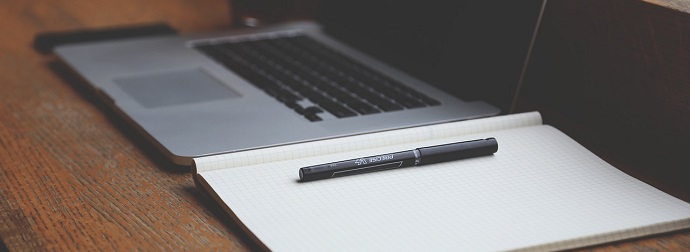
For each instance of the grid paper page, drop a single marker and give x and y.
(541, 190)
(366, 141)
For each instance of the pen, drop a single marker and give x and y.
(418, 156)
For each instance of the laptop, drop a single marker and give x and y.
(361, 66)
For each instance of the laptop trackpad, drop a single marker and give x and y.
(174, 88)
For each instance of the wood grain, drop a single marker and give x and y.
(75, 178)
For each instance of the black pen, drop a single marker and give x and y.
(419, 156)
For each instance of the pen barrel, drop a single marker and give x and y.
(358, 166)
(455, 151)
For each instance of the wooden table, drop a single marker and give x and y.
(74, 177)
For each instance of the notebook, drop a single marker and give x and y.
(361, 66)
(541, 191)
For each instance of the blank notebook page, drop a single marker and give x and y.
(541, 190)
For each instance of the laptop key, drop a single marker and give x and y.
(313, 117)
(312, 110)
(363, 108)
(285, 96)
(311, 113)
(386, 105)
(410, 103)
(336, 109)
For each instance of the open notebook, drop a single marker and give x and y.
(540, 191)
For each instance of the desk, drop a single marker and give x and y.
(73, 177)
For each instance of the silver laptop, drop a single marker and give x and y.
(361, 66)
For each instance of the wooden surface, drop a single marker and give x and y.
(74, 177)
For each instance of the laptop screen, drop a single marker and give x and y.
(472, 49)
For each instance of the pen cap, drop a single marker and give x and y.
(455, 151)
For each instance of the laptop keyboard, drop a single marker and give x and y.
(315, 81)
